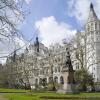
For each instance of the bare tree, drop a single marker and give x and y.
(10, 16)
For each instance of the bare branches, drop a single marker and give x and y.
(10, 16)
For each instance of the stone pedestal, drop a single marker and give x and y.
(69, 82)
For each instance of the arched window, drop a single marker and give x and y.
(44, 81)
(40, 81)
(61, 80)
(56, 79)
(50, 79)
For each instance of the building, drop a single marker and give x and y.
(89, 41)
(40, 64)
(37, 64)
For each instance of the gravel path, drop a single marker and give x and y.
(2, 98)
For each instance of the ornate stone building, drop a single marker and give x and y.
(45, 63)
(89, 41)
(39, 63)
(93, 44)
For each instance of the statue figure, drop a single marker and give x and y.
(68, 61)
(68, 76)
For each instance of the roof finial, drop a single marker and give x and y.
(36, 38)
(91, 6)
(37, 44)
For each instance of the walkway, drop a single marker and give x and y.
(2, 98)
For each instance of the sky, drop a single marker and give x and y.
(54, 20)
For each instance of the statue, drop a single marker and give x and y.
(68, 63)
(67, 72)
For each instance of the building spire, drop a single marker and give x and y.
(92, 14)
(91, 6)
(37, 44)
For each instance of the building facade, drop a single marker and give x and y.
(90, 43)
(39, 63)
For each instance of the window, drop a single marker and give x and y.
(55, 69)
(44, 81)
(88, 28)
(46, 71)
(58, 69)
(91, 26)
(94, 68)
(41, 72)
(77, 65)
(61, 80)
(95, 25)
(55, 60)
(40, 81)
(97, 38)
(50, 79)
(56, 79)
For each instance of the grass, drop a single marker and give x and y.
(20, 97)
(4, 90)
(49, 95)
(37, 96)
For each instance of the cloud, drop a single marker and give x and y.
(80, 9)
(28, 1)
(51, 31)
(97, 7)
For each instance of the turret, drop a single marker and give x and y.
(36, 44)
(92, 22)
(92, 14)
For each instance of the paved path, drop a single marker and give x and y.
(2, 98)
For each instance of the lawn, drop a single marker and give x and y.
(50, 96)
(53, 96)
(4, 90)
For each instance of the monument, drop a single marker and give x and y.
(69, 85)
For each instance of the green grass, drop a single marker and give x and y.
(20, 97)
(37, 95)
(12, 90)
